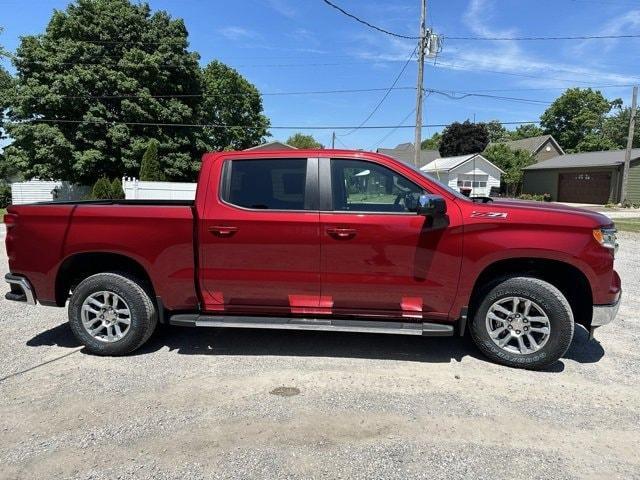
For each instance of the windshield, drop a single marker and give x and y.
(456, 193)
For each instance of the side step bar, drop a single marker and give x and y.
(322, 324)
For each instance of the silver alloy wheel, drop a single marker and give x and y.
(518, 325)
(106, 316)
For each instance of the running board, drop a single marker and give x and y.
(321, 324)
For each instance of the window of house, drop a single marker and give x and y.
(472, 181)
(277, 184)
(362, 186)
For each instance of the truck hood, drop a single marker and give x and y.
(547, 209)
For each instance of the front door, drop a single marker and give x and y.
(259, 238)
(379, 257)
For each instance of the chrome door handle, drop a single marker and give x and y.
(223, 231)
(341, 233)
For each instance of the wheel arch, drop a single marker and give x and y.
(569, 279)
(79, 266)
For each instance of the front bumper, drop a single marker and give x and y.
(21, 289)
(604, 314)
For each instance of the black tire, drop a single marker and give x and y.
(144, 317)
(555, 306)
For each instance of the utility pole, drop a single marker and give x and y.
(333, 140)
(627, 154)
(421, 46)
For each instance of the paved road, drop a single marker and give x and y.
(198, 404)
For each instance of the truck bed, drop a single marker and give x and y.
(42, 240)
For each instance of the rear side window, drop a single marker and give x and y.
(277, 184)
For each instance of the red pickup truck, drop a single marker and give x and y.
(320, 240)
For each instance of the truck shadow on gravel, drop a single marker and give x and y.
(214, 341)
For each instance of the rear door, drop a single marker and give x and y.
(259, 238)
(378, 255)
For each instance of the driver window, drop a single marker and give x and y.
(360, 186)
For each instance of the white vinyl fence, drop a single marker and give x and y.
(135, 189)
(46, 191)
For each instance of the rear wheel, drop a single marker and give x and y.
(523, 322)
(111, 314)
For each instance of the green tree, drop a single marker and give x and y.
(463, 138)
(117, 192)
(109, 67)
(616, 128)
(6, 82)
(300, 140)
(576, 119)
(150, 170)
(432, 143)
(102, 189)
(527, 130)
(497, 133)
(229, 99)
(511, 162)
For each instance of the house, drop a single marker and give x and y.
(542, 147)
(471, 171)
(588, 177)
(275, 145)
(406, 153)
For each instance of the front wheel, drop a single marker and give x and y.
(111, 314)
(523, 322)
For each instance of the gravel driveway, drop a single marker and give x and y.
(211, 404)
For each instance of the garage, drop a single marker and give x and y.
(584, 187)
(586, 177)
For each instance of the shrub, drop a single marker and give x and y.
(5, 195)
(150, 170)
(117, 191)
(533, 196)
(102, 189)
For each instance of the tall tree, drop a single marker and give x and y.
(300, 140)
(497, 132)
(119, 76)
(616, 128)
(576, 119)
(120, 64)
(463, 138)
(229, 99)
(6, 82)
(432, 143)
(511, 162)
(150, 170)
(527, 130)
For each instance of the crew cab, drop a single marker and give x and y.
(320, 240)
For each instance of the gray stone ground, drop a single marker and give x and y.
(197, 404)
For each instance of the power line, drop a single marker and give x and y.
(451, 94)
(577, 37)
(222, 126)
(462, 95)
(212, 95)
(391, 132)
(370, 25)
(384, 97)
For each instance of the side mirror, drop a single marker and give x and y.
(434, 207)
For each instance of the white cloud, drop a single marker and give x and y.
(621, 25)
(510, 57)
(283, 7)
(237, 33)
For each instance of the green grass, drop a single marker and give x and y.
(2, 212)
(627, 224)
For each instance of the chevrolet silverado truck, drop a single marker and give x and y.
(331, 240)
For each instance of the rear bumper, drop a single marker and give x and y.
(21, 289)
(604, 314)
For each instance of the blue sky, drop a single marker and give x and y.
(303, 45)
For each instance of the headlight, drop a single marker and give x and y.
(606, 237)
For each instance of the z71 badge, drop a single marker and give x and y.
(475, 214)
